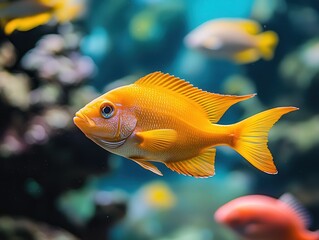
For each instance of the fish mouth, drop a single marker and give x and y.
(220, 216)
(241, 230)
(80, 120)
(85, 123)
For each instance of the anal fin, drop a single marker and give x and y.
(200, 166)
(247, 56)
(147, 165)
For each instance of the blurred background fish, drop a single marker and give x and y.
(55, 182)
(258, 217)
(239, 40)
(24, 15)
(155, 198)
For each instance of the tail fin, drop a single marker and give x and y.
(267, 43)
(251, 137)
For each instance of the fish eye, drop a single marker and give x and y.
(107, 110)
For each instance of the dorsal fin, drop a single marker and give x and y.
(250, 26)
(214, 105)
(297, 207)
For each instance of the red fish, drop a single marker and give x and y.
(259, 217)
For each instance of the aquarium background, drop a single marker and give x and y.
(57, 184)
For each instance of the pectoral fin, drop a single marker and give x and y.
(157, 140)
(247, 56)
(200, 166)
(147, 165)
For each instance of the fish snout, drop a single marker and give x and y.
(191, 41)
(220, 216)
(81, 120)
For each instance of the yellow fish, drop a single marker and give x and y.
(165, 119)
(24, 15)
(239, 40)
(158, 195)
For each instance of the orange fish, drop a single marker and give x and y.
(165, 119)
(259, 217)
